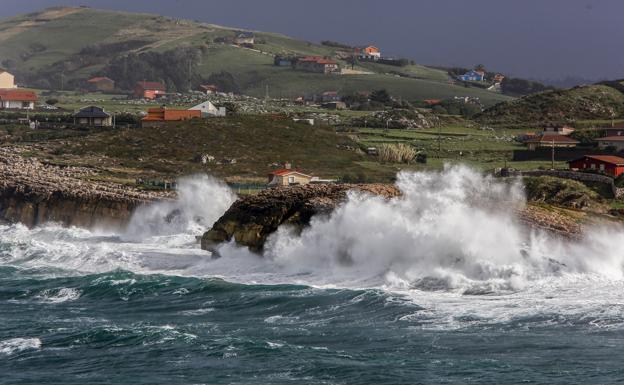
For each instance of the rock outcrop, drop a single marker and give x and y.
(33, 193)
(253, 218)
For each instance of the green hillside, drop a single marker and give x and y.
(55, 47)
(595, 102)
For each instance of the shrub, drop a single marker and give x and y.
(397, 153)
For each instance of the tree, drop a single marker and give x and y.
(225, 81)
(381, 96)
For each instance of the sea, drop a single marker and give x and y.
(439, 286)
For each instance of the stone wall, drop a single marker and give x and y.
(574, 175)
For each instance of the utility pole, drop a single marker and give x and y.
(266, 95)
(552, 155)
(190, 75)
(62, 81)
(439, 142)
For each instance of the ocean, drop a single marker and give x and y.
(430, 288)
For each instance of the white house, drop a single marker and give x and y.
(209, 110)
(17, 99)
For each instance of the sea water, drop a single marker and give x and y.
(438, 286)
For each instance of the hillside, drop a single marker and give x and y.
(256, 143)
(560, 107)
(59, 47)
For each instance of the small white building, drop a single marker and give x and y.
(209, 110)
(17, 99)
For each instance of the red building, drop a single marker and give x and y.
(149, 90)
(159, 116)
(607, 164)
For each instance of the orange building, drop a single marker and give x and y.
(159, 116)
(149, 90)
(370, 52)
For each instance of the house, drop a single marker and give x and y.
(101, 83)
(288, 177)
(208, 89)
(616, 142)
(498, 78)
(474, 75)
(161, 116)
(551, 140)
(330, 96)
(368, 53)
(208, 109)
(149, 90)
(317, 64)
(283, 61)
(17, 99)
(93, 116)
(612, 131)
(432, 102)
(560, 130)
(244, 38)
(7, 80)
(334, 106)
(606, 164)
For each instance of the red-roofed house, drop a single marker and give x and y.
(288, 177)
(159, 116)
(149, 90)
(317, 64)
(551, 140)
(208, 88)
(607, 164)
(16, 98)
(616, 142)
(101, 83)
(368, 53)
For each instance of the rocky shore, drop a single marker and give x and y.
(251, 219)
(32, 192)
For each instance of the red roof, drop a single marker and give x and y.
(286, 171)
(614, 138)
(549, 138)
(99, 79)
(612, 159)
(326, 61)
(18, 95)
(152, 86)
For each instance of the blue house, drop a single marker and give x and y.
(475, 76)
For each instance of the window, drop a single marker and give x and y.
(602, 167)
(593, 166)
(291, 179)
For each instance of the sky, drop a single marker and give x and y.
(539, 39)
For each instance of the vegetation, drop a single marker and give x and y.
(561, 192)
(396, 153)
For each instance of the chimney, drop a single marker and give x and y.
(287, 166)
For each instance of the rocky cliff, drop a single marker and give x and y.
(33, 193)
(252, 219)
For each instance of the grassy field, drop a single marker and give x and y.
(38, 41)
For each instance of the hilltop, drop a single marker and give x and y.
(593, 102)
(60, 47)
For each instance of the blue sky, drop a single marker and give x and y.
(529, 38)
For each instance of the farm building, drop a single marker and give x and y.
(17, 99)
(7, 80)
(317, 64)
(101, 83)
(288, 177)
(551, 140)
(208, 88)
(616, 142)
(244, 38)
(149, 90)
(607, 164)
(208, 109)
(159, 116)
(93, 116)
(330, 96)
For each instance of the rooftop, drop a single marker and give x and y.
(614, 138)
(616, 160)
(18, 95)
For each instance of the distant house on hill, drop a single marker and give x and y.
(498, 78)
(17, 99)
(288, 177)
(283, 61)
(561, 130)
(616, 142)
(7, 80)
(208, 88)
(317, 64)
(473, 75)
(159, 116)
(244, 38)
(607, 164)
(551, 140)
(101, 83)
(149, 90)
(209, 110)
(368, 53)
(330, 96)
(93, 116)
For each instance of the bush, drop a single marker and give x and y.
(396, 153)
(52, 101)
